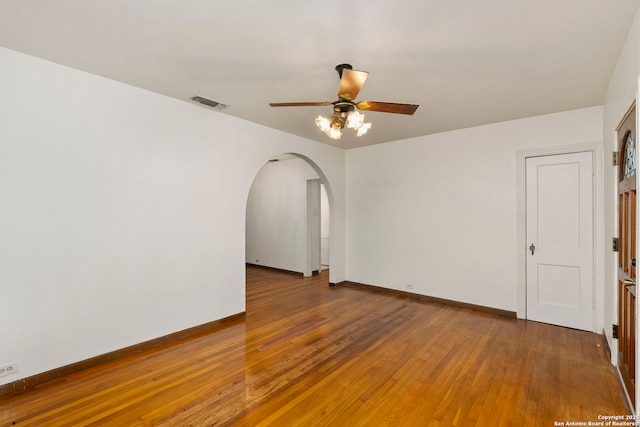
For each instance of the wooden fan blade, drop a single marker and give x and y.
(387, 107)
(300, 104)
(351, 83)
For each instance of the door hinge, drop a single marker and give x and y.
(614, 331)
(614, 158)
(614, 244)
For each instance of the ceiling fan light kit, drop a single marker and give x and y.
(344, 109)
(333, 126)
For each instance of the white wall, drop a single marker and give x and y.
(276, 208)
(620, 95)
(123, 212)
(439, 212)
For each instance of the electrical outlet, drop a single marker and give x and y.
(257, 260)
(409, 286)
(8, 369)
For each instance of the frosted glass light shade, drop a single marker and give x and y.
(334, 133)
(323, 123)
(355, 120)
(363, 129)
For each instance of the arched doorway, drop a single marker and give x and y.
(289, 216)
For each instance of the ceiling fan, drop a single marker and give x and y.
(344, 109)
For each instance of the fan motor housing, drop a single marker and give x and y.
(344, 106)
(341, 110)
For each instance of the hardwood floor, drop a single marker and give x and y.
(309, 354)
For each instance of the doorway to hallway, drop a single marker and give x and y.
(288, 217)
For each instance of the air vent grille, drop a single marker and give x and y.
(209, 103)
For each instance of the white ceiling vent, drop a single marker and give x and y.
(209, 103)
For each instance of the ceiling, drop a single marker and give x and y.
(466, 62)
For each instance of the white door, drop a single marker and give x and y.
(560, 280)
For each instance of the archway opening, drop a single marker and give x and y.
(289, 216)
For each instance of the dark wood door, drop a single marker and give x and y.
(627, 251)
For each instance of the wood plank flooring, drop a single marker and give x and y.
(311, 355)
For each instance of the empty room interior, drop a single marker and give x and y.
(318, 213)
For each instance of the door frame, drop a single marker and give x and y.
(615, 350)
(598, 224)
(308, 269)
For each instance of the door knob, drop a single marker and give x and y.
(628, 282)
(532, 248)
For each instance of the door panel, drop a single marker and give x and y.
(559, 285)
(558, 204)
(560, 233)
